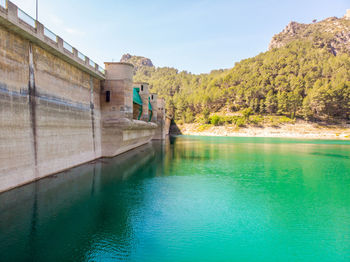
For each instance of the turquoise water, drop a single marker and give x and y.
(190, 199)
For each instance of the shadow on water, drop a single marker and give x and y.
(55, 219)
(174, 129)
(330, 155)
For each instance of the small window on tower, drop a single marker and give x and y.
(108, 96)
(141, 87)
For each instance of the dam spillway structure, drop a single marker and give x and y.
(120, 130)
(58, 108)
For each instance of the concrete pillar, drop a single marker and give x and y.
(144, 93)
(160, 132)
(40, 30)
(160, 109)
(75, 52)
(60, 44)
(153, 99)
(118, 88)
(12, 12)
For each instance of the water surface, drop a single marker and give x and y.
(190, 199)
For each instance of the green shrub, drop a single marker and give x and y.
(247, 112)
(285, 120)
(256, 120)
(279, 120)
(189, 118)
(241, 121)
(203, 127)
(228, 120)
(206, 114)
(215, 120)
(179, 122)
(200, 119)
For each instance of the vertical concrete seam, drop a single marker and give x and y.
(92, 106)
(32, 107)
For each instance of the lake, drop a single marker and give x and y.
(189, 199)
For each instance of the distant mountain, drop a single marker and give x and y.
(305, 73)
(137, 61)
(332, 33)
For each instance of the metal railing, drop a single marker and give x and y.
(92, 63)
(68, 47)
(101, 69)
(49, 34)
(24, 17)
(81, 56)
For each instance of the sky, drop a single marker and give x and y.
(193, 35)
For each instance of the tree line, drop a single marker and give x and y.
(299, 80)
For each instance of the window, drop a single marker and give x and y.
(108, 96)
(141, 87)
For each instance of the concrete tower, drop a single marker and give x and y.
(116, 97)
(347, 15)
(153, 100)
(160, 131)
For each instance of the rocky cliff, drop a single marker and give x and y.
(332, 33)
(137, 61)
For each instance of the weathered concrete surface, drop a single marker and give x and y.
(53, 111)
(161, 127)
(153, 100)
(16, 140)
(49, 113)
(67, 114)
(119, 132)
(119, 79)
(51, 117)
(9, 19)
(122, 134)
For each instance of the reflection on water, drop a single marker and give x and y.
(52, 219)
(189, 199)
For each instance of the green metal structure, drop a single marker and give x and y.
(137, 100)
(150, 108)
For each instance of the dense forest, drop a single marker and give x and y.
(303, 78)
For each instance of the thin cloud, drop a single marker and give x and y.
(73, 31)
(60, 23)
(55, 20)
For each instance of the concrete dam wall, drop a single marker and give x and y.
(58, 109)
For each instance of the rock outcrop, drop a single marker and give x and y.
(332, 33)
(137, 61)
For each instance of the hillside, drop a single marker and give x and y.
(332, 33)
(305, 74)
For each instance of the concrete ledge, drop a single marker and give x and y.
(127, 124)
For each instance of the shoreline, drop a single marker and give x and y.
(298, 130)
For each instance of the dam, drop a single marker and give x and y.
(109, 185)
(59, 109)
